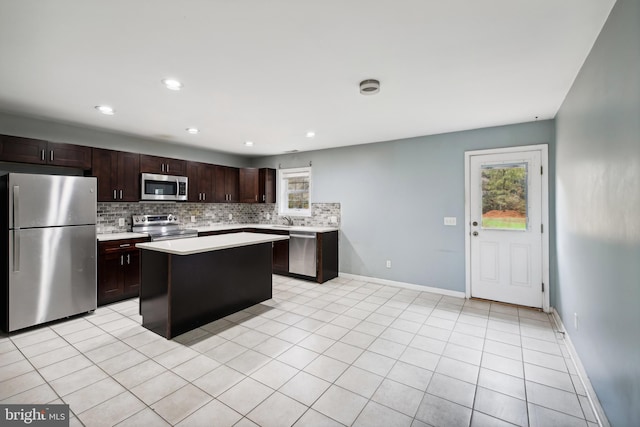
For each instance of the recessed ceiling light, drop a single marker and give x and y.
(311, 134)
(193, 131)
(105, 109)
(172, 84)
(249, 143)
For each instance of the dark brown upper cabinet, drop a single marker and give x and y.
(201, 182)
(118, 174)
(37, 151)
(226, 184)
(257, 185)
(249, 185)
(162, 165)
(267, 186)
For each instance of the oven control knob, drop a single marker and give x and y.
(170, 217)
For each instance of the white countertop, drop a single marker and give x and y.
(120, 236)
(264, 227)
(197, 245)
(221, 227)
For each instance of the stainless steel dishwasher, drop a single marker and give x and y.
(302, 253)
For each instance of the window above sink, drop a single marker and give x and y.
(295, 191)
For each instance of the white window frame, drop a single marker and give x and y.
(283, 207)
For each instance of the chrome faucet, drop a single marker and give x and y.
(288, 219)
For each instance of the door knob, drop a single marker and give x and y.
(475, 233)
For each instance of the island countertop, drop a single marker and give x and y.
(198, 245)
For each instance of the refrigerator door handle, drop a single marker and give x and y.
(16, 227)
(16, 250)
(16, 206)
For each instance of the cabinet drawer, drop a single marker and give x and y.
(120, 245)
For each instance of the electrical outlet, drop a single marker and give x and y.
(193, 218)
(333, 220)
(449, 220)
(388, 263)
(121, 222)
(230, 217)
(267, 215)
(575, 320)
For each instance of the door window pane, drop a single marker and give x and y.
(504, 196)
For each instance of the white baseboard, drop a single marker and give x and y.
(601, 417)
(404, 285)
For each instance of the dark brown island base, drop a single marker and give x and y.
(188, 283)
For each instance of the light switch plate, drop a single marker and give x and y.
(230, 217)
(193, 218)
(120, 222)
(449, 220)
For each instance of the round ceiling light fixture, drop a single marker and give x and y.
(310, 134)
(248, 143)
(172, 84)
(105, 109)
(193, 131)
(369, 87)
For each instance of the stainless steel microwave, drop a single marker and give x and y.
(163, 187)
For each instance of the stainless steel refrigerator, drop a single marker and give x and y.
(49, 227)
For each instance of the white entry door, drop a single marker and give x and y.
(505, 211)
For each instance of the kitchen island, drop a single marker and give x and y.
(187, 283)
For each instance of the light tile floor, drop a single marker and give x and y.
(342, 353)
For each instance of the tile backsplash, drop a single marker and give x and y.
(206, 214)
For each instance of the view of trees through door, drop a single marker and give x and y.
(504, 196)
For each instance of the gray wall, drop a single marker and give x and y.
(394, 196)
(62, 132)
(598, 214)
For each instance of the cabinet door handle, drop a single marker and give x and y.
(264, 197)
(120, 194)
(129, 259)
(204, 196)
(115, 195)
(125, 245)
(51, 156)
(42, 155)
(167, 167)
(256, 197)
(121, 259)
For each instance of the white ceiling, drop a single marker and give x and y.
(269, 71)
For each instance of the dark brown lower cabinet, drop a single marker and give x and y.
(280, 251)
(118, 270)
(281, 257)
(327, 253)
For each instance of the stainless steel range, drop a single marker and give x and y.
(161, 227)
